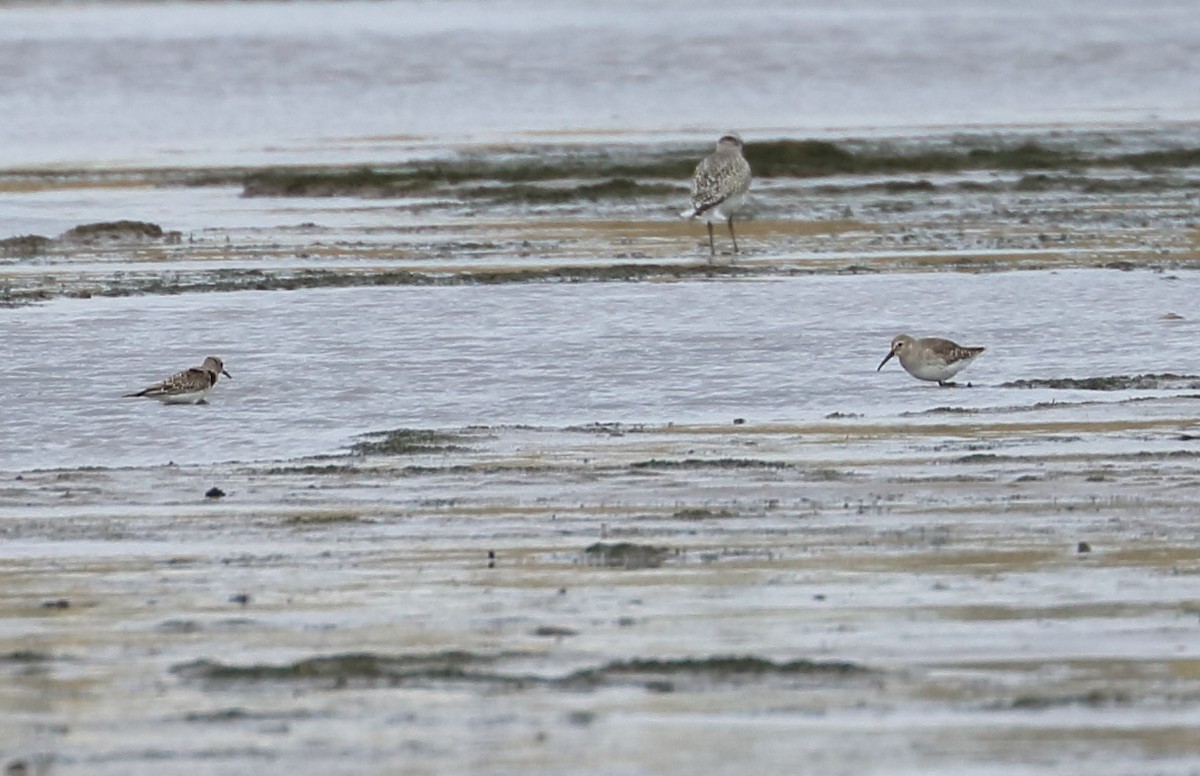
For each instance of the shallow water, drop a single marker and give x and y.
(314, 368)
(211, 83)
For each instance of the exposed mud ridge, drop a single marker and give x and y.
(1164, 381)
(312, 469)
(610, 189)
(359, 668)
(112, 232)
(257, 280)
(407, 441)
(787, 157)
(710, 463)
(701, 671)
(261, 281)
(25, 656)
(609, 429)
(25, 245)
(623, 175)
(366, 669)
(1092, 698)
(625, 555)
(102, 234)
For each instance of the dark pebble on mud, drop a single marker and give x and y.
(554, 631)
(214, 492)
(1083, 547)
(581, 718)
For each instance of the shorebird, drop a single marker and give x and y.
(719, 187)
(930, 358)
(191, 386)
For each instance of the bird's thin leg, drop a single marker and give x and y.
(712, 251)
(733, 237)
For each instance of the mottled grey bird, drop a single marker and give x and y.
(191, 386)
(930, 358)
(719, 187)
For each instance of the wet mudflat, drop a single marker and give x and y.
(1014, 590)
(609, 527)
(534, 487)
(511, 478)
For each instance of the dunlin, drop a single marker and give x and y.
(930, 358)
(719, 187)
(191, 386)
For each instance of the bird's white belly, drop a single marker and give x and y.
(936, 370)
(723, 211)
(190, 397)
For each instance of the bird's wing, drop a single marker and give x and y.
(717, 178)
(187, 381)
(950, 351)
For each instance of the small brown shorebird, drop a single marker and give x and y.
(191, 386)
(930, 358)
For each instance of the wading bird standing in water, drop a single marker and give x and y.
(719, 187)
(191, 386)
(930, 358)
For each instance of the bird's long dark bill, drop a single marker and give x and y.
(226, 374)
(886, 359)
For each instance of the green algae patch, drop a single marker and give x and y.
(700, 513)
(321, 518)
(800, 158)
(709, 463)
(607, 178)
(314, 469)
(257, 280)
(25, 656)
(813, 158)
(626, 555)
(726, 667)
(26, 245)
(1096, 698)
(407, 441)
(113, 231)
(602, 273)
(351, 669)
(362, 182)
(612, 189)
(365, 669)
(1164, 381)
(672, 675)
(612, 178)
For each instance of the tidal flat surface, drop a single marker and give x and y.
(511, 477)
(653, 524)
